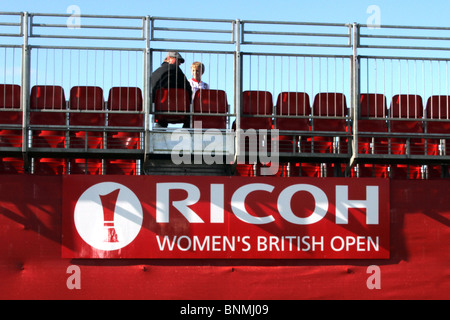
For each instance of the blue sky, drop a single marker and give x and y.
(393, 12)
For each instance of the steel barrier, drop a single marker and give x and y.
(338, 97)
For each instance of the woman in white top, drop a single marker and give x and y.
(197, 70)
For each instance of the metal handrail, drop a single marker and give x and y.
(241, 39)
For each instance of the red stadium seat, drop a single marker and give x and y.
(409, 108)
(315, 170)
(293, 104)
(245, 170)
(172, 100)
(438, 108)
(369, 170)
(9, 96)
(121, 167)
(438, 172)
(373, 106)
(48, 105)
(211, 102)
(49, 166)
(11, 165)
(306, 170)
(126, 99)
(405, 172)
(329, 105)
(10, 114)
(259, 103)
(84, 101)
(253, 170)
(85, 166)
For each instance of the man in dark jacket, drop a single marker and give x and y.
(169, 75)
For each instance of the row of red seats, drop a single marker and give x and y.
(215, 102)
(362, 170)
(405, 107)
(86, 99)
(259, 104)
(254, 103)
(205, 102)
(89, 98)
(56, 166)
(89, 101)
(408, 109)
(297, 104)
(335, 105)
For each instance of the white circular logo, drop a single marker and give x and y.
(108, 216)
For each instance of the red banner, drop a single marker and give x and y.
(189, 217)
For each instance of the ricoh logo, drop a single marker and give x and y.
(108, 216)
(284, 200)
(219, 217)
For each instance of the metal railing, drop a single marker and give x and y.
(344, 60)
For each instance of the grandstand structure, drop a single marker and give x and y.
(347, 99)
(315, 167)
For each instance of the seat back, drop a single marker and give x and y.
(10, 100)
(47, 98)
(121, 167)
(85, 166)
(11, 165)
(293, 104)
(407, 107)
(86, 98)
(373, 106)
(211, 102)
(9, 96)
(125, 99)
(258, 103)
(438, 107)
(49, 166)
(172, 100)
(330, 105)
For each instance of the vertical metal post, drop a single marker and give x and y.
(355, 97)
(147, 88)
(25, 85)
(238, 88)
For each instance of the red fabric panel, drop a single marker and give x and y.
(31, 266)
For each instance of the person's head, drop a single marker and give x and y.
(174, 57)
(197, 70)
